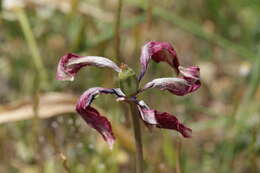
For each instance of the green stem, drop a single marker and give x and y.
(138, 138)
(37, 131)
(30, 39)
(149, 15)
(36, 126)
(178, 153)
(40, 78)
(117, 30)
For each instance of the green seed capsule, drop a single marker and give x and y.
(128, 81)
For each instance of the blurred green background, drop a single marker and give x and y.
(39, 129)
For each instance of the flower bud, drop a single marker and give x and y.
(127, 80)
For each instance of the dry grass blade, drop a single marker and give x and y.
(53, 104)
(50, 104)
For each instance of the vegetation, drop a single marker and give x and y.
(40, 130)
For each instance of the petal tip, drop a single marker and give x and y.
(158, 52)
(110, 143)
(65, 78)
(187, 132)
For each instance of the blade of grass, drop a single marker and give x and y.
(32, 45)
(197, 30)
(253, 85)
(118, 30)
(40, 81)
(108, 33)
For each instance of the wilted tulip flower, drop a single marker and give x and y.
(188, 80)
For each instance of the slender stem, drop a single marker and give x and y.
(178, 153)
(149, 15)
(40, 78)
(51, 138)
(37, 133)
(36, 128)
(31, 42)
(138, 138)
(64, 163)
(117, 30)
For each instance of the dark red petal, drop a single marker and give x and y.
(146, 113)
(189, 82)
(185, 89)
(168, 121)
(163, 51)
(98, 122)
(71, 63)
(194, 86)
(65, 73)
(89, 95)
(159, 52)
(164, 120)
(177, 86)
(92, 116)
(191, 74)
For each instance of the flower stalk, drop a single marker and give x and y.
(129, 85)
(138, 138)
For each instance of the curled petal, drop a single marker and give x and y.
(158, 51)
(194, 86)
(118, 92)
(168, 121)
(92, 116)
(98, 122)
(191, 74)
(162, 119)
(177, 86)
(88, 96)
(146, 113)
(71, 63)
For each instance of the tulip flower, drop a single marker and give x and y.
(187, 81)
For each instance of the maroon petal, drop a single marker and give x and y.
(71, 63)
(164, 120)
(146, 113)
(158, 51)
(191, 74)
(88, 96)
(98, 122)
(168, 121)
(177, 86)
(92, 116)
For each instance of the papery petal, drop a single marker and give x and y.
(146, 113)
(158, 51)
(119, 92)
(177, 86)
(71, 63)
(92, 116)
(191, 74)
(168, 121)
(162, 119)
(88, 96)
(98, 122)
